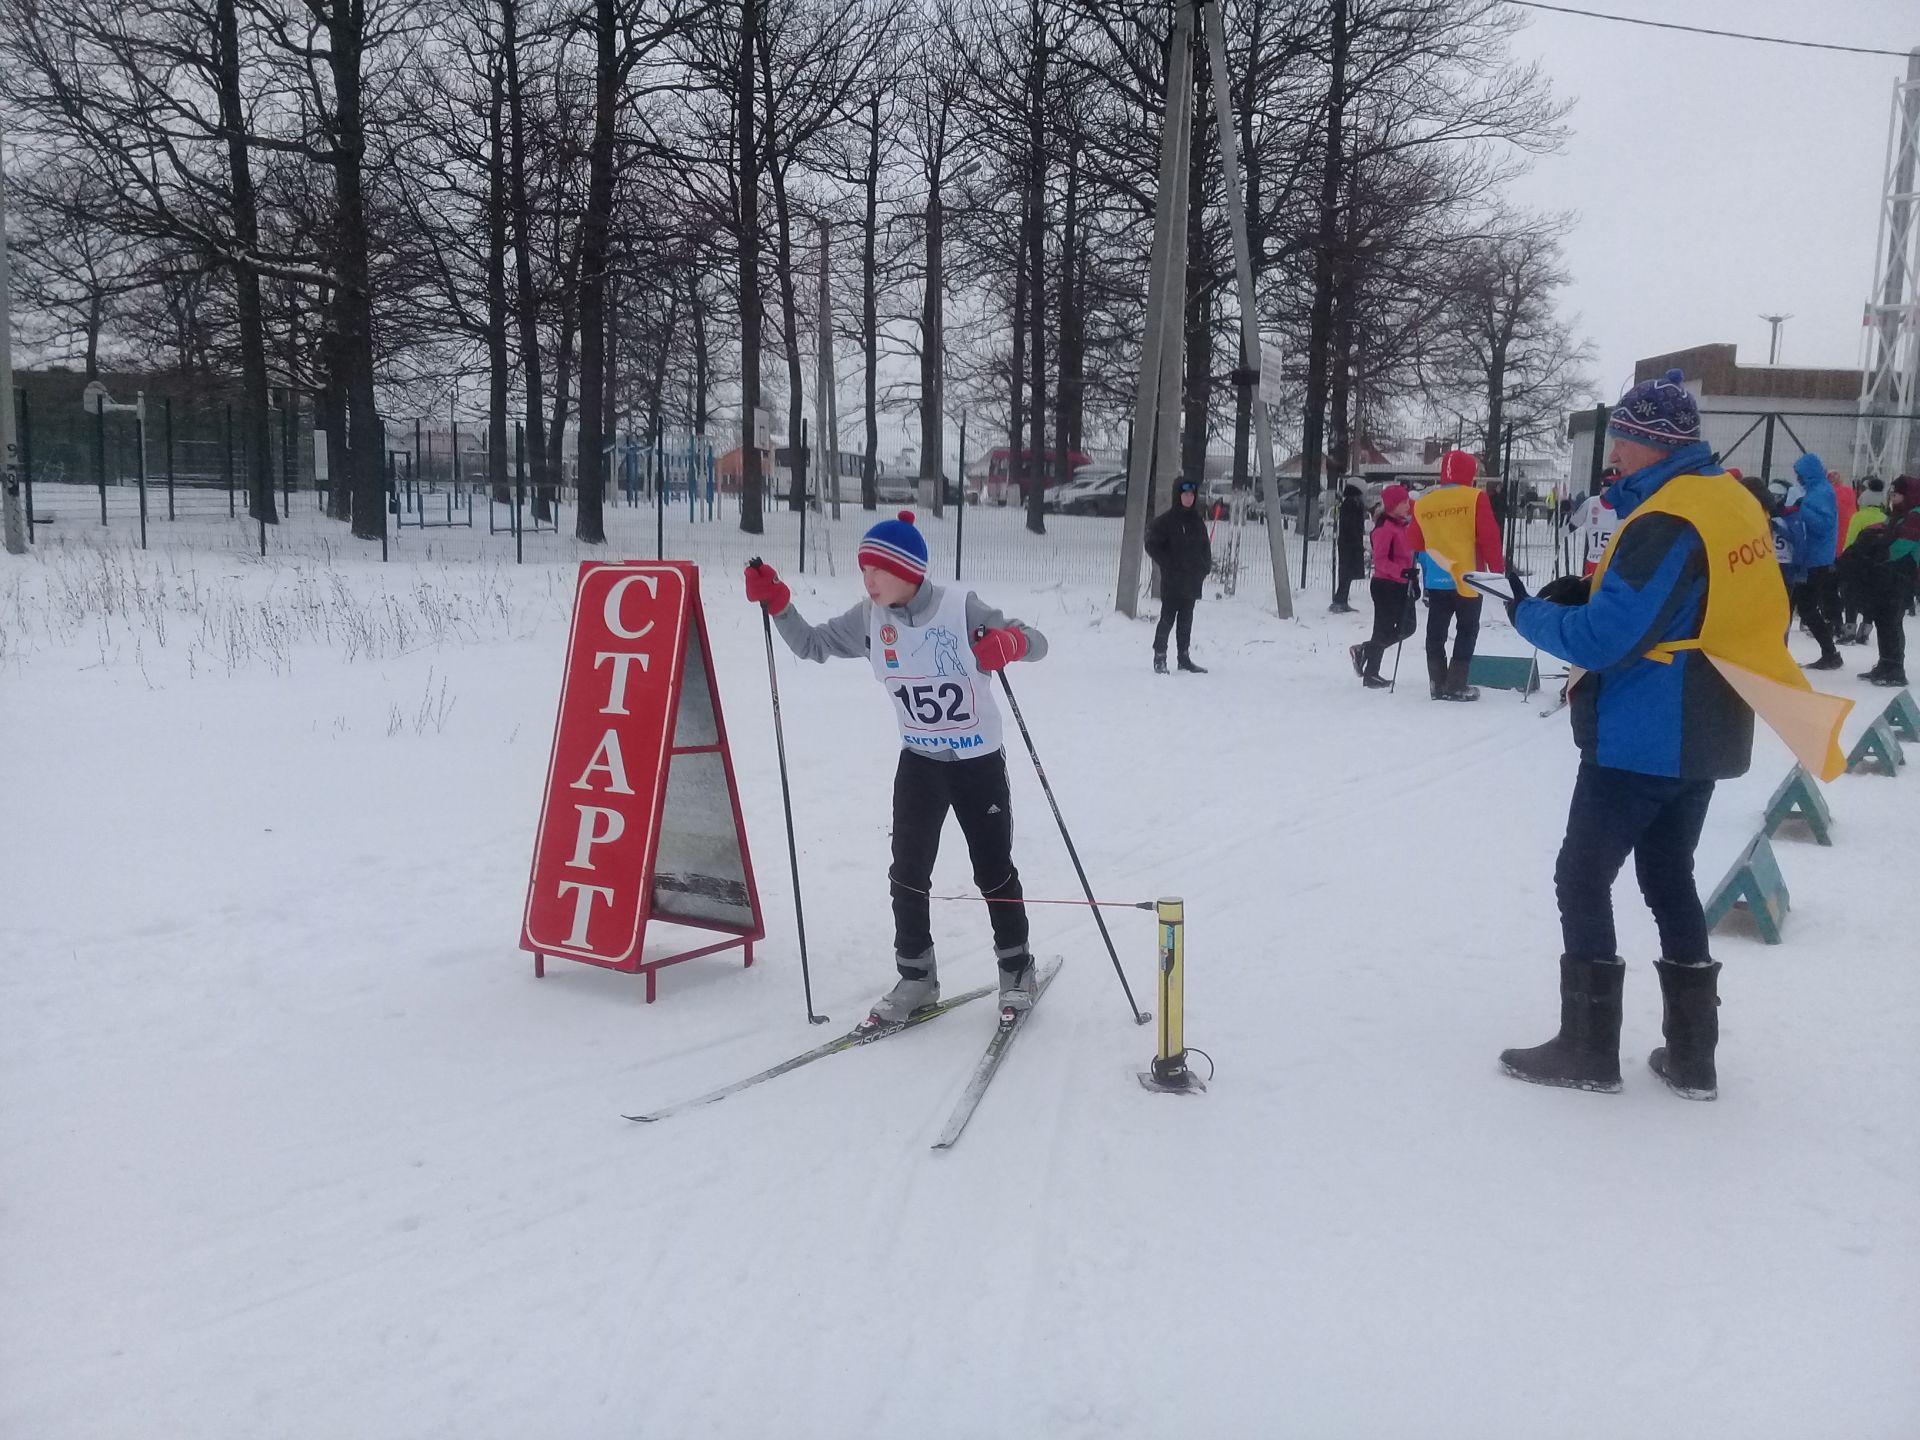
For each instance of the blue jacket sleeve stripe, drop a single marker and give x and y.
(1627, 616)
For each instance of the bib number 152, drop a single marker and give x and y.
(931, 704)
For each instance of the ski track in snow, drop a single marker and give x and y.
(297, 1147)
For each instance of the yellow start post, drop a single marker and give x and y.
(1169, 1072)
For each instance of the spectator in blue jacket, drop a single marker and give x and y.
(1817, 547)
(1656, 728)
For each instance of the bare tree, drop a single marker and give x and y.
(1502, 355)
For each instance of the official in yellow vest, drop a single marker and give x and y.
(1681, 634)
(1453, 531)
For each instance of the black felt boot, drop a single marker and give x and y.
(1691, 1023)
(1585, 1055)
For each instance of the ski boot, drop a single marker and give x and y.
(917, 988)
(1691, 1022)
(1017, 985)
(1585, 1055)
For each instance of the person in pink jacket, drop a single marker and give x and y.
(1395, 586)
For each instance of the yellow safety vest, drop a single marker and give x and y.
(1447, 514)
(1743, 628)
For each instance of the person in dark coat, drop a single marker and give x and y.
(1350, 548)
(1177, 542)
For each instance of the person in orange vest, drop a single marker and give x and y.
(1681, 636)
(1453, 525)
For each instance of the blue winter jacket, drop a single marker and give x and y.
(1630, 713)
(1820, 511)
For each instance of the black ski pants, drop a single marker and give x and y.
(1655, 819)
(1810, 603)
(1174, 613)
(975, 790)
(1446, 607)
(1393, 619)
(1889, 592)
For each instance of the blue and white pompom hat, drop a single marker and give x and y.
(1657, 412)
(896, 547)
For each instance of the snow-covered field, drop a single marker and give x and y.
(296, 1146)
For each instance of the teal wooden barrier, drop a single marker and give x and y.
(1799, 798)
(1754, 885)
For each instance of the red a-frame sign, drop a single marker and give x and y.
(641, 818)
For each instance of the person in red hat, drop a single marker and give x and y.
(1395, 585)
(1453, 531)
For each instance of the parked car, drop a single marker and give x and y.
(1104, 494)
(1087, 479)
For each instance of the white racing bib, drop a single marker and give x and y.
(942, 700)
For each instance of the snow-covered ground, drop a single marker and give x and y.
(296, 1146)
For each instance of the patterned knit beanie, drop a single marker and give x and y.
(1657, 412)
(896, 547)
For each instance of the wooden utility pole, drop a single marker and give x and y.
(1154, 454)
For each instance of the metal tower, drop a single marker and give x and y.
(1884, 441)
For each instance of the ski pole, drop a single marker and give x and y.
(1140, 1017)
(786, 803)
(1405, 618)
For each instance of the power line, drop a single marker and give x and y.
(1702, 30)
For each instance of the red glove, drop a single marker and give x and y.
(765, 587)
(997, 649)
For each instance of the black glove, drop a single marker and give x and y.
(1519, 592)
(1567, 590)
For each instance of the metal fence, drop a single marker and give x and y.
(442, 504)
(157, 459)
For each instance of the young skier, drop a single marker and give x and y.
(934, 650)
(1396, 585)
(1593, 524)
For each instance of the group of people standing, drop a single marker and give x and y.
(1425, 544)
(1849, 557)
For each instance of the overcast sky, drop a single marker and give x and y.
(1719, 179)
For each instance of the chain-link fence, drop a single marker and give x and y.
(147, 458)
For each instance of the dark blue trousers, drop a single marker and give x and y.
(1657, 820)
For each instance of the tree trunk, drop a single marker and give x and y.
(334, 389)
(751, 479)
(700, 361)
(367, 442)
(1017, 471)
(562, 394)
(1340, 378)
(870, 321)
(1067, 399)
(1320, 328)
(789, 335)
(254, 426)
(590, 455)
(499, 366)
(1496, 407)
(542, 463)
